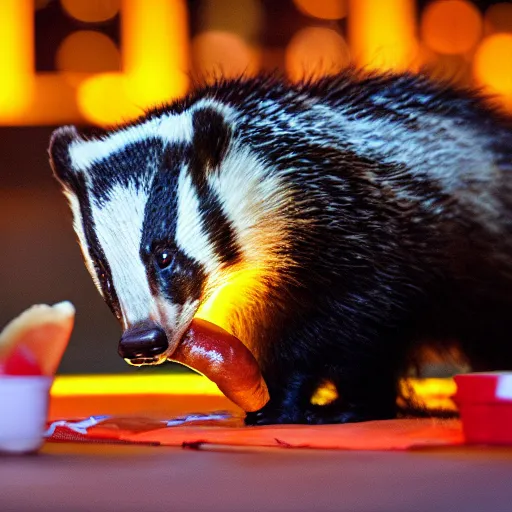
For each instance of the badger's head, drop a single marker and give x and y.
(151, 221)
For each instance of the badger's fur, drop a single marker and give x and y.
(361, 213)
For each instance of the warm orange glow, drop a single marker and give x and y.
(155, 62)
(103, 100)
(382, 33)
(498, 18)
(492, 66)
(86, 52)
(155, 50)
(324, 9)
(242, 17)
(27, 98)
(229, 294)
(155, 55)
(16, 57)
(314, 52)
(53, 102)
(154, 384)
(449, 68)
(216, 53)
(91, 10)
(41, 4)
(434, 393)
(325, 394)
(451, 26)
(155, 44)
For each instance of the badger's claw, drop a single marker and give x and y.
(272, 416)
(316, 415)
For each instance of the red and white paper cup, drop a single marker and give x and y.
(485, 405)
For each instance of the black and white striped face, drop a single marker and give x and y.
(152, 228)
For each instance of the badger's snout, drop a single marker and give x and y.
(143, 344)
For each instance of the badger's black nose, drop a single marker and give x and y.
(143, 344)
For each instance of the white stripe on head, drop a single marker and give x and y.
(190, 236)
(118, 226)
(169, 128)
(255, 201)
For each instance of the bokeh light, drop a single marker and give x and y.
(91, 11)
(157, 57)
(227, 43)
(323, 9)
(492, 65)
(445, 67)
(16, 57)
(103, 99)
(242, 17)
(155, 64)
(155, 50)
(85, 52)
(41, 4)
(216, 53)
(314, 52)
(451, 26)
(382, 34)
(498, 18)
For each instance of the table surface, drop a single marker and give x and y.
(95, 477)
(75, 477)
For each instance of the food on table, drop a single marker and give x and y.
(33, 343)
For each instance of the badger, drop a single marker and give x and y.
(357, 215)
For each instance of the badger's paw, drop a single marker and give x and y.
(317, 415)
(269, 415)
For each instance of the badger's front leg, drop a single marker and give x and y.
(365, 375)
(369, 396)
(363, 398)
(290, 394)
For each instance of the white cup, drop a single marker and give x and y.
(23, 412)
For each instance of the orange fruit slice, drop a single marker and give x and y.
(41, 330)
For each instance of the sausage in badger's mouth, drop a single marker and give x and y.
(225, 360)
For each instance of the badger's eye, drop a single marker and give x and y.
(163, 258)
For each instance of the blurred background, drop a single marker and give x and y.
(100, 62)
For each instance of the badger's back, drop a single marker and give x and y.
(397, 211)
(384, 189)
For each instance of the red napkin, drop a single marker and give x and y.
(224, 429)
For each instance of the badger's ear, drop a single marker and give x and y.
(212, 135)
(60, 159)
